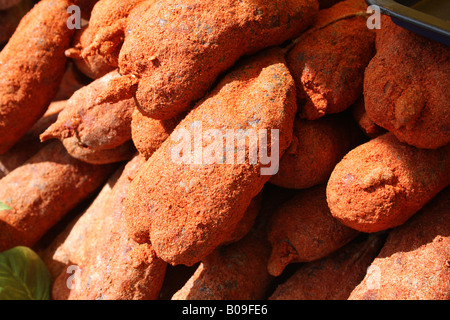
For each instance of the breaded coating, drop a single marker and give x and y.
(187, 207)
(148, 134)
(406, 87)
(318, 145)
(42, 191)
(31, 73)
(248, 220)
(68, 246)
(96, 46)
(384, 182)
(29, 144)
(414, 262)
(95, 129)
(178, 49)
(111, 265)
(234, 272)
(328, 61)
(303, 229)
(333, 277)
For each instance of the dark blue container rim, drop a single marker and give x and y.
(414, 20)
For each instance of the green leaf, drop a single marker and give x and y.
(4, 206)
(23, 275)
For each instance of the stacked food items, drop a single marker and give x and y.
(352, 202)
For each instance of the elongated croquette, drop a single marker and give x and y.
(186, 209)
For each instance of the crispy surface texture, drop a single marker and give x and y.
(316, 148)
(95, 129)
(329, 60)
(333, 277)
(234, 272)
(224, 150)
(186, 209)
(406, 87)
(111, 265)
(148, 134)
(68, 246)
(382, 183)
(29, 144)
(303, 229)
(179, 48)
(42, 191)
(31, 73)
(96, 47)
(414, 262)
